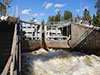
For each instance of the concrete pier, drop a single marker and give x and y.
(85, 39)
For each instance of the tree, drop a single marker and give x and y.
(77, 18)
(97, 6)
(58, 16)
(67, 15)
(55, 18)
(43, 24)
(86, 15)
(2, 9)
(96, 19)
(85, 11)
(49, 18)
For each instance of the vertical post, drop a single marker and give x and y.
(17, 15)
(13, 11)
(36, 33)
(56, 31)
(81, 8)
(7, 13)
(67, 32)
(62, 30)
(40, 32)
(11, 68)
(19, 49)
(45, 31)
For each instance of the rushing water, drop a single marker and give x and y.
(59, 62)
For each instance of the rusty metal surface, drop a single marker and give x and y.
(58, 44)
(30, 45)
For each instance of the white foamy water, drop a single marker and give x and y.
(59, 62)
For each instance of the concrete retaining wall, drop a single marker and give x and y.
(85, 39)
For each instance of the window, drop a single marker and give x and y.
(29, 32)
(33, 27)
(23, 27)
(28, 27)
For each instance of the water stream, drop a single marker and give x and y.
(59, 62)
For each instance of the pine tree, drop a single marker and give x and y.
(96, 19)
(58, 16)
(67, 15)
(86, 15)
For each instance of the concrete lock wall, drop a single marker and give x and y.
(85, 39)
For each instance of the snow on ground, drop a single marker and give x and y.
(59, 62)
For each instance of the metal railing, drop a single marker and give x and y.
(79, 21)
(59, 22)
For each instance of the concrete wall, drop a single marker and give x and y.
(85, 39)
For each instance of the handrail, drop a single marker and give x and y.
(12, 55)
(59, 22)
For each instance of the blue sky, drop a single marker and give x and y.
(41, 9)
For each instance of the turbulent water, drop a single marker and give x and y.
(59, 62)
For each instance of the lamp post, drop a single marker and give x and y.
(60, 15)
(81, 8)
(7, 3)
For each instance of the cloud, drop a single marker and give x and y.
(26, 11)
(35, 14)
(86, 7)
(78, 10)
(44, 4)
(42, 14)
(56, 10)
(48, 5)
(59, 5)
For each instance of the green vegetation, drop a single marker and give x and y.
(55, 18)
(58, 17)
(86, 16)
(67, 15)
(43, 23)
(96, 18)
(2, 9)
